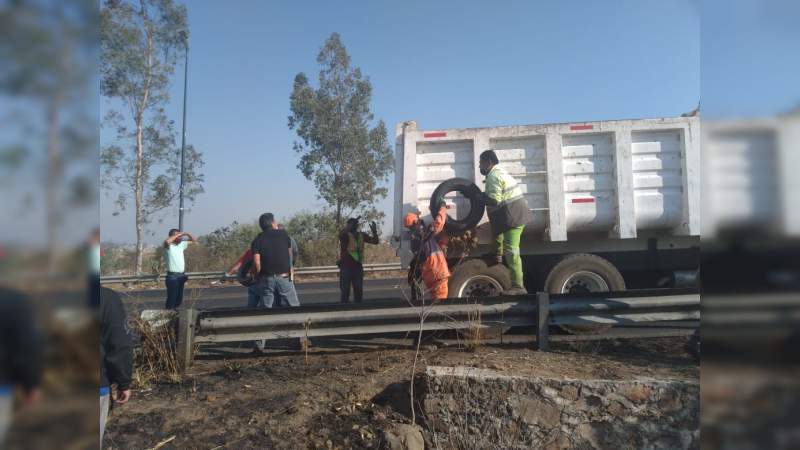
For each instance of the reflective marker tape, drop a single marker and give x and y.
(581, 127)
(582, 200)
(435, 134)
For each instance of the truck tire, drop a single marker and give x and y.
(476, 204)
(583, 272)
(474, 278)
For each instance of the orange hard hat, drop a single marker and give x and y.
(410, 219)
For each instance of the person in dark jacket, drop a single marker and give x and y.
(116, 354)
(20, 355)
(351, 258)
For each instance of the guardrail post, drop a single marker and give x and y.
(543, 319)
(187, 319)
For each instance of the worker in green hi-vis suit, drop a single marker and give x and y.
(508, 213)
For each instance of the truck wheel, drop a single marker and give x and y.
(476, 205)
(475, 279)
(582, 273)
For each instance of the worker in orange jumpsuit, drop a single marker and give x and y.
(429, 259)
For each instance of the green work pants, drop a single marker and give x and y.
(508, 244)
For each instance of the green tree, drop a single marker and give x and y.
(345, 159)
(226, 244)
(139, 44)
(308, 226)
(316, 237)
(47, 50)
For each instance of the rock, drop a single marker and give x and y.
(555, 414)
(636, 393)
(559, 442)
(570, 392)
(431, 405)
(535, 411)
(589, 434)
(589, 402)
(404, 437)
(158, 318)
(670, 402)
(616, 409)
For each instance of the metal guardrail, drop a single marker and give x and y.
(321, 270)
(538, 311)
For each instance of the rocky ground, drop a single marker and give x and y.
(348, 394)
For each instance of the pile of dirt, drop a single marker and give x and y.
(345, 395)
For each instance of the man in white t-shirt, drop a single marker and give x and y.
(174, 246)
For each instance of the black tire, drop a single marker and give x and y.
(476, 204)
(584, 262)
(468, 270)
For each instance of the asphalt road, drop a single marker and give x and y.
(312, 293)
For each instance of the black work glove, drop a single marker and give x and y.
(374, 228)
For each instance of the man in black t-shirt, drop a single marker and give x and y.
(272, 251)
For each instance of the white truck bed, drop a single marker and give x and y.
(748, 176)
(615, 179)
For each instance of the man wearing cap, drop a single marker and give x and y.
(508, 213)
(429, 262)
(351, 258)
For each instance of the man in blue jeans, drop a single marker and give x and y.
(174, 246)
(272, 255)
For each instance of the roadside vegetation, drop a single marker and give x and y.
(315, 233)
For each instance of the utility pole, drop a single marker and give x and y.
(183, 135)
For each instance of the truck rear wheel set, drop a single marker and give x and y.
(574, 273)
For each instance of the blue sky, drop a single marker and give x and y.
(749, 54)
(444, 64)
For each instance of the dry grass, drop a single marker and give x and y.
(155, 361)
(473, 336)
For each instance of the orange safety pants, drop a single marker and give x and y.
(435, 275)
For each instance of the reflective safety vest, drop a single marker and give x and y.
(502, 187)
(355, 246)
(512, 209)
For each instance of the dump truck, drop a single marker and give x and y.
(615, 204)
(751, 225)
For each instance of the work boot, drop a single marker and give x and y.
(516, 290)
